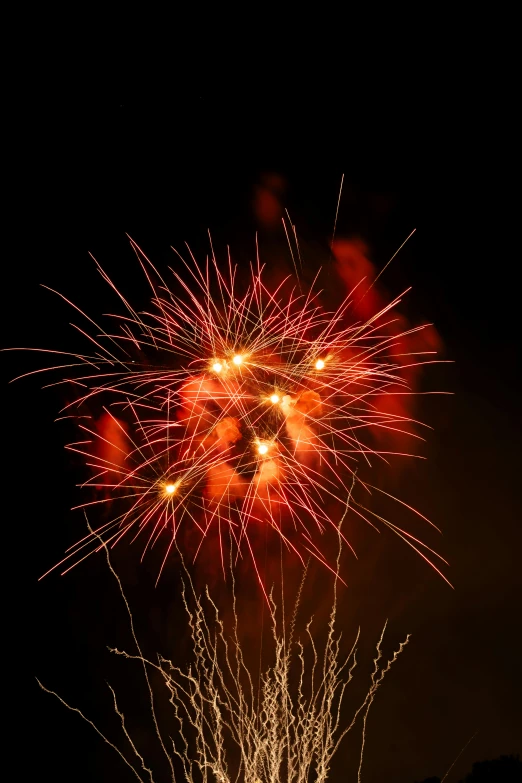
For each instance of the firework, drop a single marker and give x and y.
(287, 727)
(228, 407)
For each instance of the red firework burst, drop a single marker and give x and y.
(230, 406)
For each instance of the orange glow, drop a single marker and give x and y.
(204, 407)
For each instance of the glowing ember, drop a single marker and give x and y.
(166, 416)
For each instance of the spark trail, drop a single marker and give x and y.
(227, 730)
(228, 406)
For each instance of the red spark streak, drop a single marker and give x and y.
(186, 389)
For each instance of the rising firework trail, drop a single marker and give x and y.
(229, 407)
(289, 728)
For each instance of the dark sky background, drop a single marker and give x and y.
(166, 168)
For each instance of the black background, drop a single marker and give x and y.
(167, 164)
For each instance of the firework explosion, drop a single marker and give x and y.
(229, 407)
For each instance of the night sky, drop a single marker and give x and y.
(164, 170)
